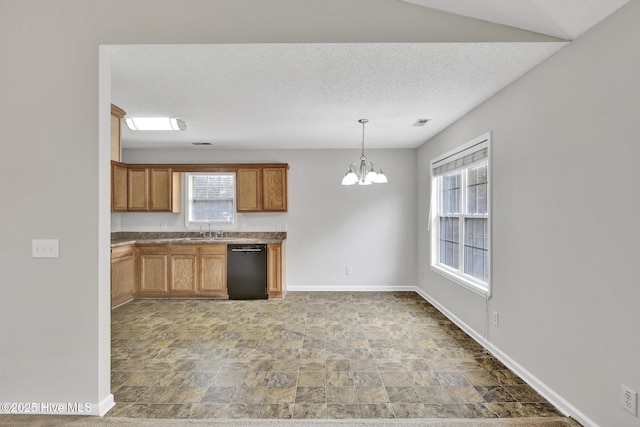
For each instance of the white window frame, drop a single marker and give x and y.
(457, 275)
(199, 225)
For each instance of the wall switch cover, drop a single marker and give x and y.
(44, 248)
(629, 400)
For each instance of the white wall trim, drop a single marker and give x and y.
(349, 288)
(106, 405)
(544, 390)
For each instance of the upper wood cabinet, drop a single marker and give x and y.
(119, 181)
(117, 114)
(164, 190)
(156, 187)
(248, 190)
(261, 189)
(144, 189)
(138, 189)
(274, 189)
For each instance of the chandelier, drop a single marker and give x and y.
(363, 174)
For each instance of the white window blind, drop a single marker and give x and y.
(461, 159)
(211, 198)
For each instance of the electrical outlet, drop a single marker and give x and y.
(629, 400)
(496, 318)
(348, 271)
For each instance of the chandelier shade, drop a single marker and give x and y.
(363, 173)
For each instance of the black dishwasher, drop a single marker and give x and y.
(247, 271)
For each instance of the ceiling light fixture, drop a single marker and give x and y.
(365, 174)
(155, 123)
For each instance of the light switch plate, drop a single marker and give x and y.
(44, 248)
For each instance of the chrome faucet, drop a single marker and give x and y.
(208, 234)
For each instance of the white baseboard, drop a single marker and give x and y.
(105, 405)
(350, 288)
(545, 391)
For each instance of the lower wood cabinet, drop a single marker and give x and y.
(213, 270)
(152, 268)
(122, 274)
(182, 270)
(275, 271)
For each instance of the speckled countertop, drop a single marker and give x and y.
(187, 238)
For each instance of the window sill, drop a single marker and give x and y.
(481, 290)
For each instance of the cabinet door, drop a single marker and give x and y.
(275, 269)
(164, 187)
(213, 270)
(116, 146)
(274, 189)
(152, 270)
(248, 190)
(183, 274)
(122, 275)
(138, 189)
(213, 274)
(118, 187)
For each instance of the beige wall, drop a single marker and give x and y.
(565, 228)
(370, 229)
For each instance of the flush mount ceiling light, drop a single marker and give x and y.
(155, 123)
(364, 174)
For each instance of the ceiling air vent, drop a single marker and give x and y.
(201, 143)
(420, 122)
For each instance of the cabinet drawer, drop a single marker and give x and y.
(153, 250)
(184, 249)
(214, 249)
(121, 252)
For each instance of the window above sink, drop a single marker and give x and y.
(210, 199)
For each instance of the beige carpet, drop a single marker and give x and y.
(52, 420)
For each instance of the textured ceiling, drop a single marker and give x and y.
(311, 95)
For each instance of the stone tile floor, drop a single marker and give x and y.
(324, 355)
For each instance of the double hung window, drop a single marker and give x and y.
(460, 205)
(210, 199)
